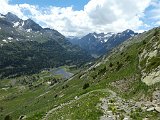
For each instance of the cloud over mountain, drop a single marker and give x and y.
(97, 15)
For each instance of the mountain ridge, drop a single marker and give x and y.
(98, 44)
(26, 43)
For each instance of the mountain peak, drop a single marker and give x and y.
(10, 17)
(30, 24)
(128, 31)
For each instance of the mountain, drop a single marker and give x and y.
(26, 47)
(31, 25)
(19, 23)
(99, 44)
(118, 38)
(12, 18)
(122, 85)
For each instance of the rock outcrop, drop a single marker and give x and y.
(149, 60)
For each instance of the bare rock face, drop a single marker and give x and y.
(150, 109)
(149, 60)
(152, 77)
(157, 109)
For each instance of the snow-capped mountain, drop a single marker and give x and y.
(102, 37)
(118, 38)
(16, 22)
(26, 47)
(20, 30)
(99, 43)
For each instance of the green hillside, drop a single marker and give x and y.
(121, 85)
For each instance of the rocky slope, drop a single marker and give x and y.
(149, 59)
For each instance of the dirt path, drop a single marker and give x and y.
(113, 106)
(116, 108)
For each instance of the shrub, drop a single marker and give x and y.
(128, 57)
(65, 86)
(156, 32)
(122, 53)
(110, 65)
(144, 42)
(1, 109)
(119, 66)
(86, 85)
(8, 117)
(56, 96)
(102, 71)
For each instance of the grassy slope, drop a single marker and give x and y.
(36, 102)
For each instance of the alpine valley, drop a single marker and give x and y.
(100, 76)
(28, 48)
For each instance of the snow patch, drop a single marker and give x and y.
(105, 40)
(119, 34)
(28, 30)
(5, 41)
(16, 24)
(95, 36)
(128, 31)
(109, 34)
(1, 16)
(23, 23)
(10, 38)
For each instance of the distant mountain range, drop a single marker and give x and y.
(99, 44)
(26, 47)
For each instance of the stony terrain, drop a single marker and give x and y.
(117, 108)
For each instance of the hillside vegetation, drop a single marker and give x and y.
(115, 87)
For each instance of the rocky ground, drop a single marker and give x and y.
(117, 108)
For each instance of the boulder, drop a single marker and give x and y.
(157, 109)
(150, 109)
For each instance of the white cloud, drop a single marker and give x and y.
(158, 23)
(97, 16)
(155, 11)
(152, 15)
(118, 15)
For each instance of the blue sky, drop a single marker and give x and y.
(77, 4)
(80, 17)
